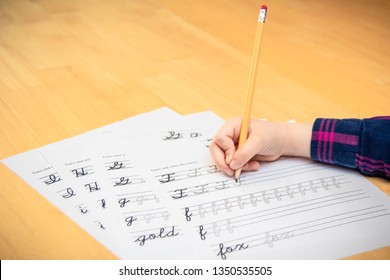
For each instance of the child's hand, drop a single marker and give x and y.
(267, 141)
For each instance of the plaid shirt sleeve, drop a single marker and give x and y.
(360, 144)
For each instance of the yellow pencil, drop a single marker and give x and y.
(251, 83)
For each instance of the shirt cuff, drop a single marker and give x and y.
(336, 141)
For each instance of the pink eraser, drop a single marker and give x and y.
(264, 7)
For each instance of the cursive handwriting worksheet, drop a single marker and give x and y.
(147, 188)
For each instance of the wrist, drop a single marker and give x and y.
(297, 139)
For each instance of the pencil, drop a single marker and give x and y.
(251, 83)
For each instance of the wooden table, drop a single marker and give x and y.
(67, 67)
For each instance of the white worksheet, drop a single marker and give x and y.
(147, 188)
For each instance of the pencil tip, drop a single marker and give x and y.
(236, 180)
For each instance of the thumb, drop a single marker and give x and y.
(244, 154)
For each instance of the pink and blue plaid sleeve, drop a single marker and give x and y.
(354, 143)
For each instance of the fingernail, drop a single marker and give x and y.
(228, 159)
(234, 165)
